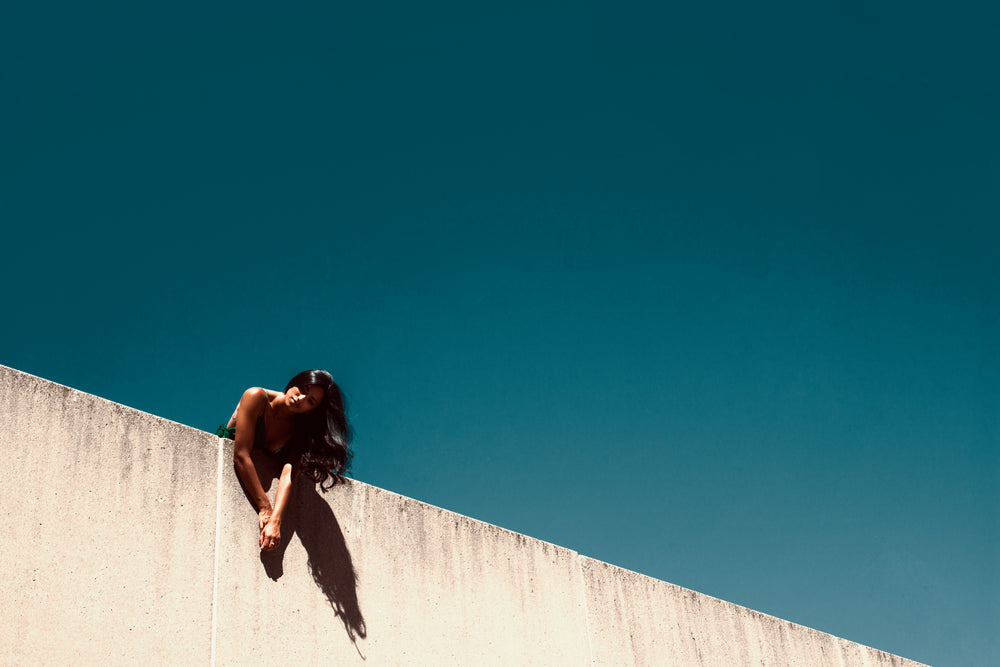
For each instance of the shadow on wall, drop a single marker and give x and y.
(311, 518)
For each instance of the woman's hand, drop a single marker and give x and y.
(263, 516)
(270, 535)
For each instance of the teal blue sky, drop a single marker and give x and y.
(709, 292)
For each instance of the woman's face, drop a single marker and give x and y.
(301, 402)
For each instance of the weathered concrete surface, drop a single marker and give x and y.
(638, 620)
(368, 574)
(112, 516)
(136, 543)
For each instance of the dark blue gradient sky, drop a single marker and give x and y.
(708, 292)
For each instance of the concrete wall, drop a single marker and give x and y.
(131, 540)
(109, 544)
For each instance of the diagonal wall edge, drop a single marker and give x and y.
(138, 545)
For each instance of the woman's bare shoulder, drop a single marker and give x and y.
(255, 396)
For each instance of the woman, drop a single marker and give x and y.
(305, 427)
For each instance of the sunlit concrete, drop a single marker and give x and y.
(133, 542)
(110, 514)
(638, 620)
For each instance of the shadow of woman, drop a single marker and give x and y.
(310, 517)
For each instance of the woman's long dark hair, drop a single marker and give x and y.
(323, 432)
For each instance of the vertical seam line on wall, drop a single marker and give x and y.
(586, 608)
(220, 447)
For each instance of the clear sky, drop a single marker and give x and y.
(707, 292)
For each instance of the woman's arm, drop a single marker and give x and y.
(251, 407)
(270, 536)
